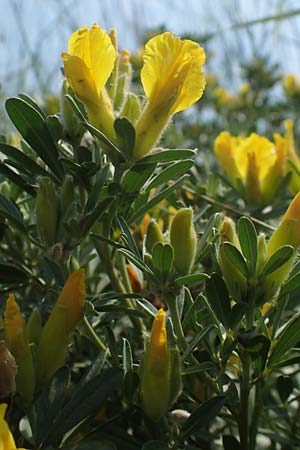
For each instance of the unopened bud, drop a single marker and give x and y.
(34, 327)
(153, 235)
(183, 238)
(124, 78)
(47, 210)
(131, 108)
(73, 130)
(236, 282)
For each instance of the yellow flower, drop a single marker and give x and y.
(173, 80)
(290, 85)
(7, 441)
(254, 165)
(88, 65)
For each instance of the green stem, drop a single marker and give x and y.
(174, 313)
(255, 417)
(244, 403)
(92, 335)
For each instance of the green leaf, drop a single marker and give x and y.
(163, 156)
(205, 235)
(127, 237)
(278, 259)
(32, 103)
(292, 285)
(127, 356)
(236, 258)
(50, 402)
(18, 156)
(230, 443)
(32, 126)
(137, 261)
(218, 298)
(136, 177)
(257, 346)
(285, 387)
(195, 278)
(95, 215)
(197, 339)
(15, 178)
(9, 211)
(248, 241)
(162, 259)
(165, 193)
(155, 445)
(287, 338)
(85, 403)
(96, 189)
(55, 127)
(202, 416)
(172, 172)
(10, 273)
(125, 132)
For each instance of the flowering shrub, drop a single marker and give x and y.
(145, 305)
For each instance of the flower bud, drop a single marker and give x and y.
(153, 235)
(236, 282)
(262, 252)
(18, 344)
(73, 130)
(155, 383)
(34, 327)
(124, 78)
(287, 233)
(67, 195)
(64, 317)
(294, 184)
(47, 210)
(183, 238)
(8, 371)
(131, 108)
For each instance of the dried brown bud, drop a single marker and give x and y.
(8, 371)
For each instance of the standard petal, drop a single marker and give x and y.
(102, 55)
(80, 78)
(172, 73)
(79, 45)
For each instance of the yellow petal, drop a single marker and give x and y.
(79, 45)
(13, 320)
(225, 150)
(262, 148)
(102, 55)
(72, 297)
(6, 438)
(157, 349)
(80, 79)
(95, 48)
(172, 73)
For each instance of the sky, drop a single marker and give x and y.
(33, 33)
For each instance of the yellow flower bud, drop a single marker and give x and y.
(287, 233)
(64, 317)
(47, 210)
(18, 344)
(153, 235)
(155, 381)
(183, 238)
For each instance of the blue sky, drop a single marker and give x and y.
(34, 32)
